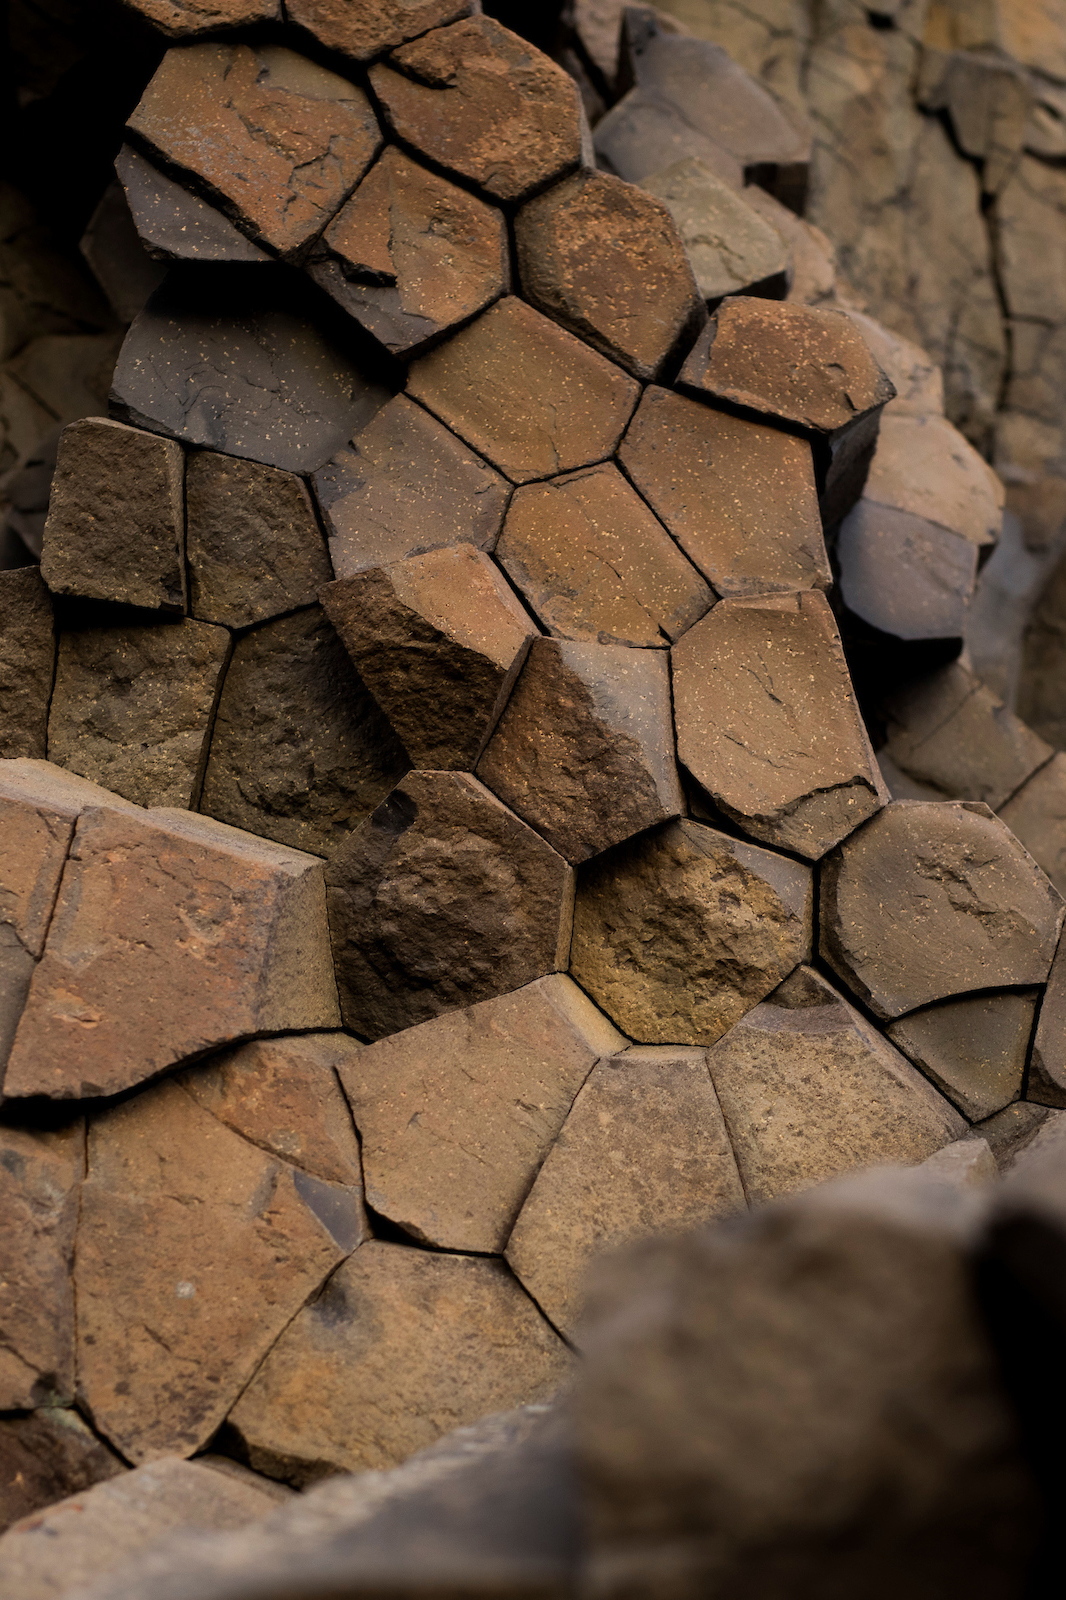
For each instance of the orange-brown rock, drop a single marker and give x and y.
(181, 19)
(481, 102)
(525, 393)
(27, 663)
(367, 29)
(973, 1049)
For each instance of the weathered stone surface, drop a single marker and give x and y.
(115, 517)
(525, 393)
(410, 255)
(401, 1346)
(739, 497)
(973, 1049)
(438, 640)
(912, 371)
(584, 750)
(643, 1151)
(404, 485)
(442, 898)
(194, 1251)
(767, 721)
(174, 225)
(179, 19)
(457, 1115)
(968, 1163)
(46, 1455)
(169, 904)
(644, 133)
(924, 466)
(1041, 699)
(903, 575)
(595, 564)
(275, 139)
(132, 707)
(678, 933)
(988, 103)
(117, 256)
(607, 262)
(1036, 815)
(483, 103)
(300, 752)
(366, 30)
(27, 663)
(730, 248)
(1047, 1068)
(253, 544)
(930, 900)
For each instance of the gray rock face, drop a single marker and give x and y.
(1036, 814)
(905, 575)
(27, 663)
(174, 225)
(732, 249)
(974, 1049)
(1047, 1069)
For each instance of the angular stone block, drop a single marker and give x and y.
(974, 1049)
(1036, 814)
(903, 575)
(366, 30)
(584, 750)
(1047, 1068)
(456, 1116)
(115, 528)
(930, 900)
(730, 247)
(180, 19)
(225, 932)
(912, 372)
(46, 1455)
(644, 133)
(924, 466)
(768, 723)
(438, 640)
(174, 225)
(525, 393)
(678, 933)
(595, 564)
(27, 663)
(440, 899)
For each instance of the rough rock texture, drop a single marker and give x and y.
(642, 135)
(731, 248)
(1047, 1068)
(974, 1049)
(173, 225)
(583, 750)
(27, 663)
(442, 898)
(680, 932)
(903, 575)
(1036, 814)
(457, 1115)
(366, 30)
(179, 19)
(46, 1455)
(438, 640)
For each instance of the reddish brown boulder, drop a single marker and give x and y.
(179, 19)
(27, 663)
(373, 26)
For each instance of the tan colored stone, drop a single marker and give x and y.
(681, 931)
(903, 575)
(730, 247)
(439, 640)
(27, 663)
(46, 1455)
(924, 466)
(584, 750)
(400, 1347)
(180, 19)
(525, 393)
(170, 223)
(643, 1151)
(373, 26)
(973, 1049)
(1036, 815)
(457, 1115)
(988, 102)
(1047, 1067)
(644, 133)
(915, 376)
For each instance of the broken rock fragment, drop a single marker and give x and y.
(173, 224)
(46, 1455)
(366, 30)
(27, 663)
(973, 1049)
(730, 247)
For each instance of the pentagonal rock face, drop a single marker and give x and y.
(767, 721)
(903, 575)
(739, 497)
(405, 485)
(442, 898)
(643, 1151)
(174, 225)
(607, 262)
(930, 900)
(174, 906)
(731, 248)
(402, 1346)
(279, 140)
(373, 26)
(181, 18)
(114, 529)
(584, 751)
(595, 564)
(27, 663)
(456, 1115)
(483, 103)
(526, 394)
(410, 255)
(679, 933)
(974, 1049)
(438, 640)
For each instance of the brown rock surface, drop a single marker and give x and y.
(171, 905)
(644, 133)
(481, 102)
(739, 497)
(401, 1346)
(731, 248)
(115, 528)
(439, 640)
(171, 224)
(974, 1049)
(595, 564)
(525, 393)
(584, 750)
(933, 899)
(643, 1151)
(179, 19)
(680, 932)
(46, 1455)
(366, 30)
(27, 662)
(767, 721)
(442, 898)
(1047, 1068)
(1036, 814)
(278, 141)
(457, 1115)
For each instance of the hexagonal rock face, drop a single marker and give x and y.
(525, 393)
(279, 140)
(739, 497)
(226, 933)
(584, 749)
(401, 1347)
(373, 26)
(973, 1049)
(410, 255)
(930, 900)
(27, 663)
(456, 1115)
(442, 898)
(438, 640)
(181, 18)
(606, 261)
(678, 933)
(767, 721)
(481, 102)
(595, 564)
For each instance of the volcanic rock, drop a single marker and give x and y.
(912, 372)
(179, 19)
(730, 248)
(27, 662)
(973, 1049)
(644, 133)
(903, 575)
(924, 466)
(1047, 1069)
(373, 26)
(174, 225)
(1036, 814)
(46, 1455)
